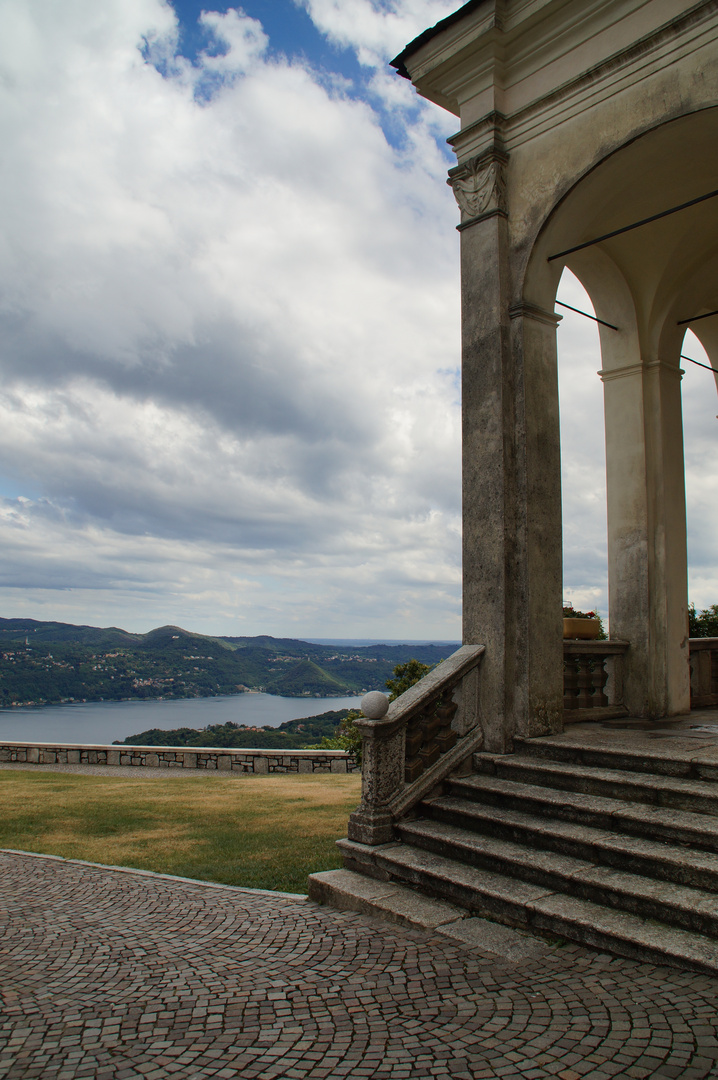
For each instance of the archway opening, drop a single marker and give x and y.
(583, 452)
(700, 435)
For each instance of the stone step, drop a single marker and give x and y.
(521, 904)
(597, 811)
(695, 796)
(654, 759)
(347, 890)
(638, 855)
(677, 905)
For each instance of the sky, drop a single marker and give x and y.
(229, 329)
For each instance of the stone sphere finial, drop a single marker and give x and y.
(375, 705)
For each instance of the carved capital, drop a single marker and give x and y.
(479, 185)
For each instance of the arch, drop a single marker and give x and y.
(645, 282)
(645, 175)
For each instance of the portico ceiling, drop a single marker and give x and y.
(669, 265)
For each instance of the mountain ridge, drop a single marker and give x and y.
(54, 662)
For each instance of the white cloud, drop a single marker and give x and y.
(700, 422)
(376, 29)
(243, 39)
(583, 455)
(229, 326)
(229, 334)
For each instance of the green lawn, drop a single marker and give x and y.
(262, 832)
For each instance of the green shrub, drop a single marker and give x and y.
(348, 737)
(406, 675)
(703, 623)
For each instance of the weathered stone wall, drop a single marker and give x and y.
(178, 757)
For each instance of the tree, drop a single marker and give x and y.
(348, 737)
(405, 675)
(703, 623)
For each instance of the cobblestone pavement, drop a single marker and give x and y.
(109, 974)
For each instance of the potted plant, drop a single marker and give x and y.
(586, 625)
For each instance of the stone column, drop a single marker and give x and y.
(538, 439)
(511, 473)
(647, 562)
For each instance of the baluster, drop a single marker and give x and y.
(446, 737)
(428, 736)
(414, 766)
(570, 682)
(599, 679)
(430, 725)
(585, 682)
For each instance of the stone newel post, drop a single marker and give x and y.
(382, 771)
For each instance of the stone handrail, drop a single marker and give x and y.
(427, 733)
(704, 672)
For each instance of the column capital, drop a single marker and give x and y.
(533, 311)
(479, 186)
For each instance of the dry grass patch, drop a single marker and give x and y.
(132, 848)
(265, 832)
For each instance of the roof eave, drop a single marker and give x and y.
(399, 62)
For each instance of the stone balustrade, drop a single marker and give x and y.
(427, 733)
(704, 672)
(178, 757)
(593, 679)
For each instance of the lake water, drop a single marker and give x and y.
(105, 721)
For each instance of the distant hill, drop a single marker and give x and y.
(51, 662)
(306, 676)
(57, 632)
(291, 735)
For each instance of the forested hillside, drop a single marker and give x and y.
(291, 735)
(49, 663)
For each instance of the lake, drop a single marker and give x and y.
(105, 721)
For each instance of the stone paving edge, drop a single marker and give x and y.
(156, 874)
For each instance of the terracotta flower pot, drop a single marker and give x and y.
(586, 629)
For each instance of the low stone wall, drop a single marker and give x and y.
(179, 757)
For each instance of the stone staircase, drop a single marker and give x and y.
(613, 848)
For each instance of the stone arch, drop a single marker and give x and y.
(664, 165)
(644, 282)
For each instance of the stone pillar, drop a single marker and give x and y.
(647, 563)
(539, 602)
(382, 779)
(511, 473)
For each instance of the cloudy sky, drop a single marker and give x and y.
(229, 329)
